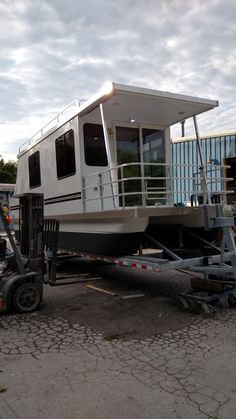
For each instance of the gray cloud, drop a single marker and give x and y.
(53, 51)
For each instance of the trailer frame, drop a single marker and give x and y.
(220, 268)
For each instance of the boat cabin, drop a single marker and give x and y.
(112, 152)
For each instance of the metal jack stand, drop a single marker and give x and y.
(220, 278)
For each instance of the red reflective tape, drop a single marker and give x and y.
(144, 266)
(133, 265)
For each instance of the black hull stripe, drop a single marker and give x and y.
(62, 198)
(14, 207)
(65, 196)
(56, 200)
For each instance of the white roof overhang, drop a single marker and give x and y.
(125, 103)
(122, 103)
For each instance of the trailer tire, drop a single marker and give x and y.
(26, 298)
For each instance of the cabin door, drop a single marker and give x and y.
(140, 145)
(128, 151)
(94, 162)
(153, 153)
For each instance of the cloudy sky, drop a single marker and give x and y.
(56, 50)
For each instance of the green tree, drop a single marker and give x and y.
(7, 171)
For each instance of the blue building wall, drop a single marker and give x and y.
(215, 149)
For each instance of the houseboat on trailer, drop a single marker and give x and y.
(106, 174)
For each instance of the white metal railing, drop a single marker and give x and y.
(154, 184)
(67, 112)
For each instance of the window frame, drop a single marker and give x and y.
(63, 138)
(85, 148)
(34, 175)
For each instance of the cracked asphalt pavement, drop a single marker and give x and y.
(86, 354)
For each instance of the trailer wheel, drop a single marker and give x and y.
(232, 301)
(27, 298)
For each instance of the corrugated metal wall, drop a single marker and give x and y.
(215, 150)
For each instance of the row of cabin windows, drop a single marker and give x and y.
(94, 149)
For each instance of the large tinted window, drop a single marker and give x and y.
(65, 155)
(34, 170)
(94, 145)
(127, 142)
(153, 146)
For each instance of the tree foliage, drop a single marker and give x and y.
(7, 171)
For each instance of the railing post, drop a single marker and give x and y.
(223, 185)
(83, 193)
(143, 189)
(203, 178)
(101, 190)
(122, 186)
(169, 188)
(108, 151)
